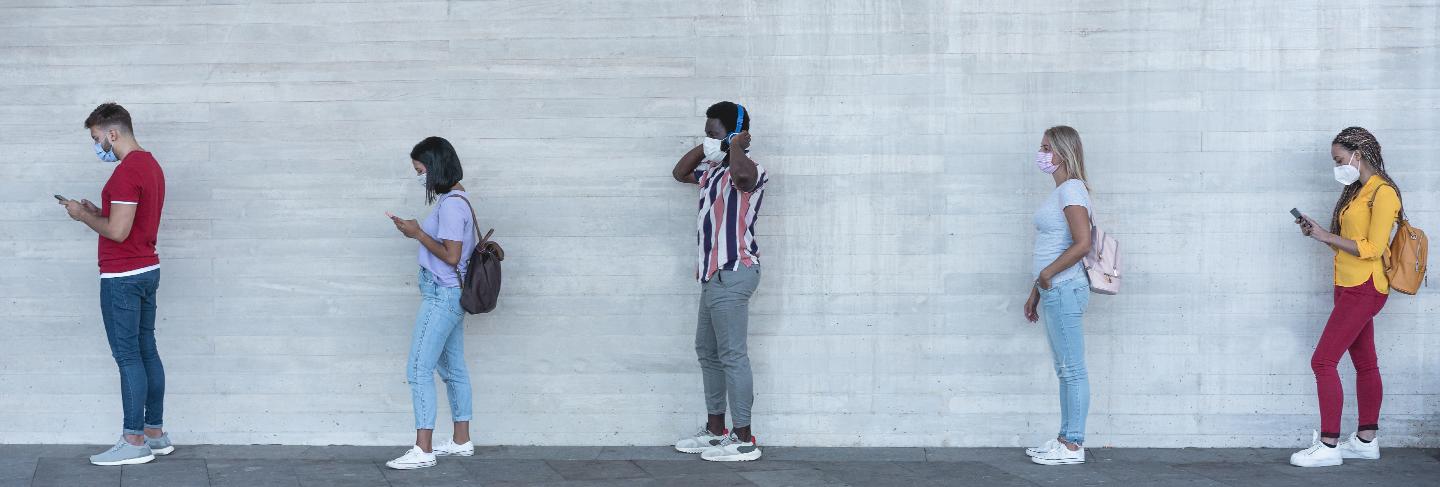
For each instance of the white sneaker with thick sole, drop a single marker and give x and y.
(1318, 455)
(701, 441)
(731, 449)
(1040, 450)
(412, 459)
(1359, 449)
(1060, 455)
(450, 449)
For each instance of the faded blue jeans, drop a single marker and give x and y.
(127, 305)
(438, 344)
(1064, 309)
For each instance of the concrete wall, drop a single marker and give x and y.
(895, 235)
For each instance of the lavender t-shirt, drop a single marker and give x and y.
(451, 220)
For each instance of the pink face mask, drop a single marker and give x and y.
(1044, 161)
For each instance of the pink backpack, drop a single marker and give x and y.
(1102, 264)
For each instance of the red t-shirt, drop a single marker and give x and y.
(138, 181)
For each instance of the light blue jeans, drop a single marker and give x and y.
(438, 344)
(1064, 309)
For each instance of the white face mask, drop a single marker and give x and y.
(421, 178)
(712, 150)
(1346, 174)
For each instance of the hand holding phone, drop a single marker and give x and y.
(1307, 226)
(408, 228)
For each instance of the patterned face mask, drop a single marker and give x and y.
(1045, 162)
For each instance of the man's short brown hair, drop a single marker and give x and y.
(109, 114)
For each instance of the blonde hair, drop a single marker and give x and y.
(1065, 143)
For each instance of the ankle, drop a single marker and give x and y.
(743, 434)
(715, 424)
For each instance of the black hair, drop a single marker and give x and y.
(725, 112)
(109, 114)
(442, 166)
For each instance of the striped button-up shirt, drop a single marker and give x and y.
(726, 223)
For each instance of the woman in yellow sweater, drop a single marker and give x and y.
(1359, 233)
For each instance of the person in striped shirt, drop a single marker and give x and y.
(731, 187)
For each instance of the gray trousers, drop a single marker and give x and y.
(720, 342)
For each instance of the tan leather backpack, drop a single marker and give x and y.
(1405, 260)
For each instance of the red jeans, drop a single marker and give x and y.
(1351, 327)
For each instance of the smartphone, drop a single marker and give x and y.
(1296, 213)
(61, 198)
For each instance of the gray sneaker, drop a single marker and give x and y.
(161, 445)
(123, 454)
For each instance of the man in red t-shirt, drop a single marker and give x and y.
(128, 220)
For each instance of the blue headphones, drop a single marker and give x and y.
(739, 122)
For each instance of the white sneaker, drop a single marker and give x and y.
(731, 449)
(700, 442)
(450, 449)
(1040, 450)
(412, 459)
(123, 453)
(1060, 455)
(1318, 455)
(1359, 449)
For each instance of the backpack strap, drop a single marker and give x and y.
(1399, 217)
(479, 240)
(475, 221)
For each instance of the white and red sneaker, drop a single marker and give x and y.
(731, 449)
(701, 441)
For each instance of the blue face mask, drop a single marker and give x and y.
(105, 155)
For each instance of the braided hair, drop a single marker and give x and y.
(1363, 143)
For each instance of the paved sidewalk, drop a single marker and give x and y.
(215, 465)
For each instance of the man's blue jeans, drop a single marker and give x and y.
(127, 304)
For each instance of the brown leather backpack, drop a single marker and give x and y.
(1406, 259)
(480, 286)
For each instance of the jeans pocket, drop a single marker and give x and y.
(1046, 295)
(1081, 293)
(122, 293)
(451, 297)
